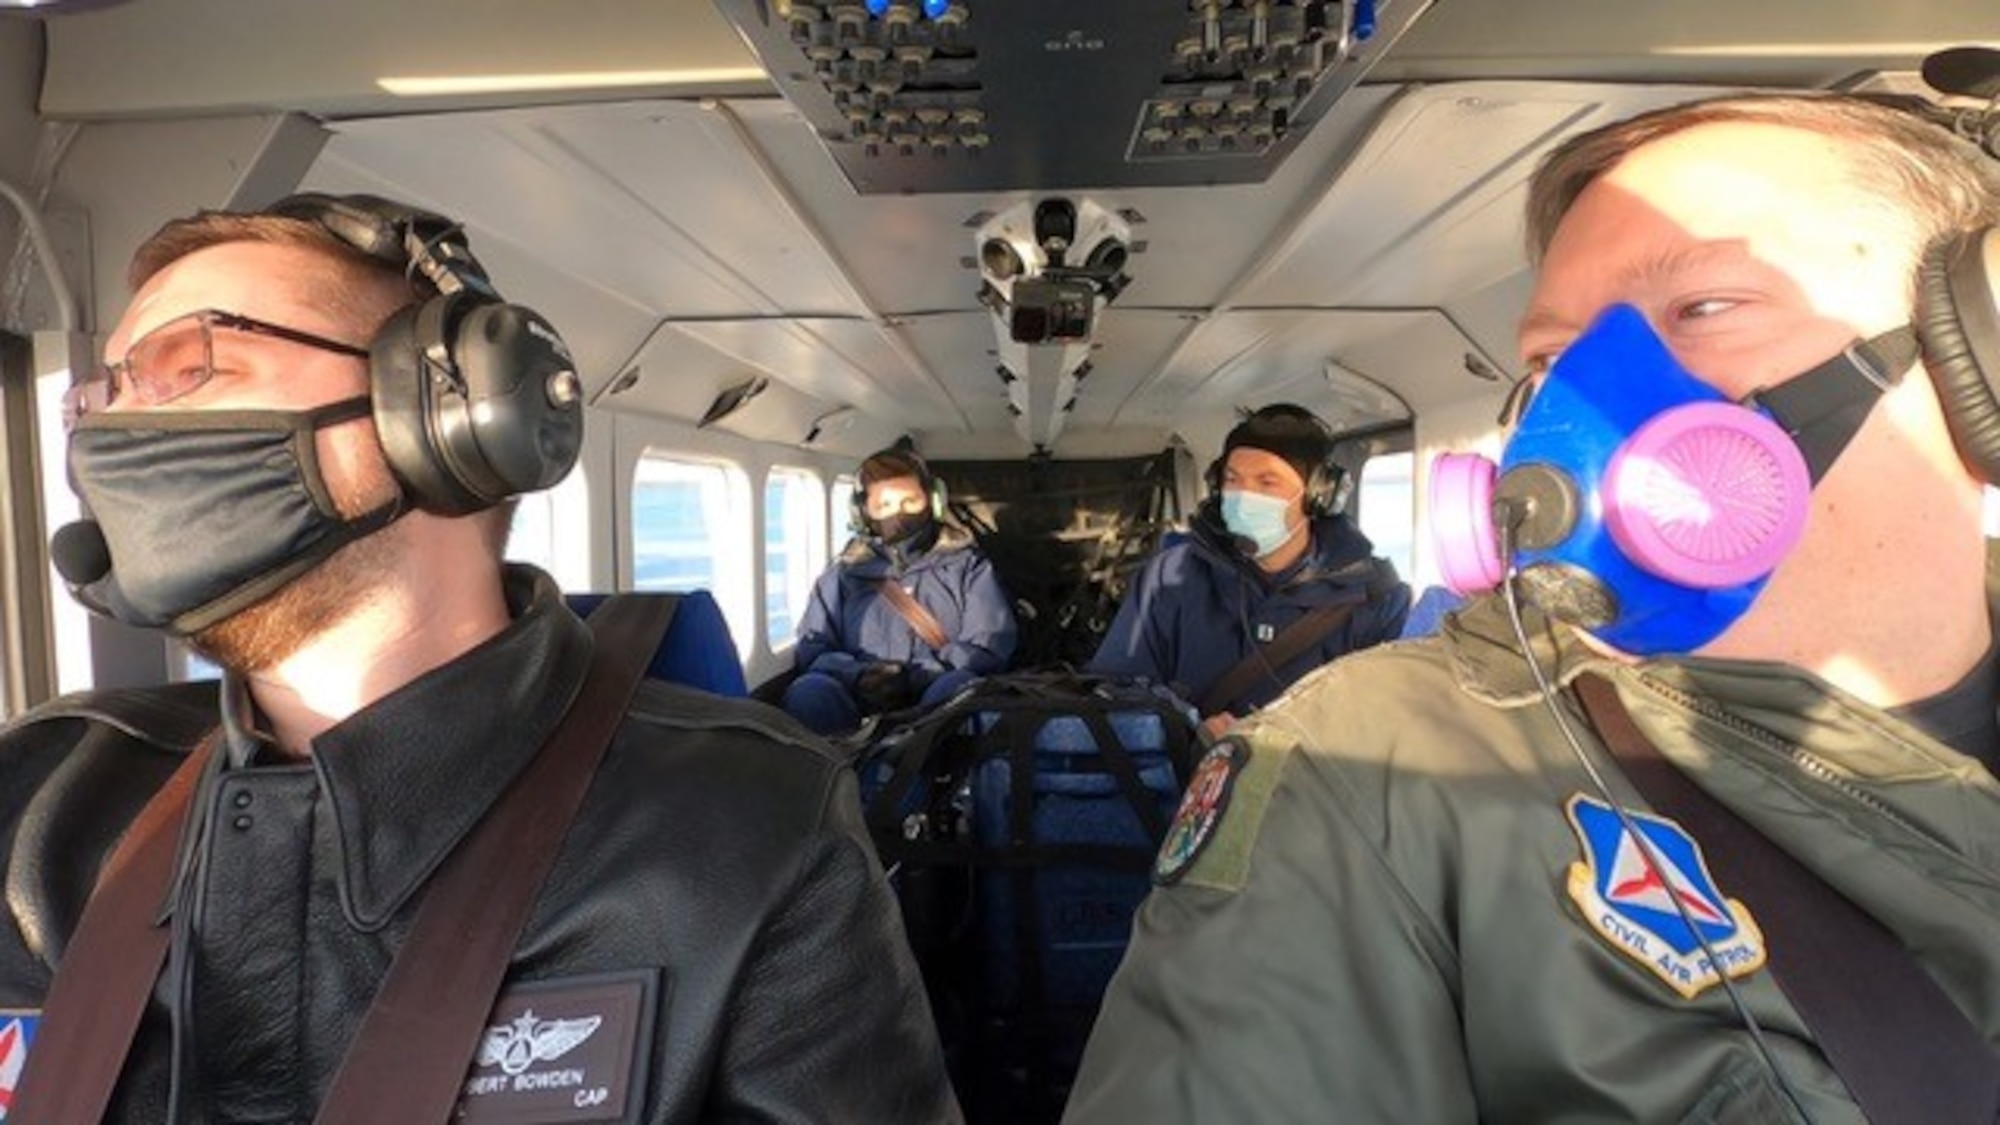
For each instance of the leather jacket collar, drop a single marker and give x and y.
(441, 732)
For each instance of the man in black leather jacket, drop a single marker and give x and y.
(715, 940)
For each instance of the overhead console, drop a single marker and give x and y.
(914, 96)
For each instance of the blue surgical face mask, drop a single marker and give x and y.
(1257, 517)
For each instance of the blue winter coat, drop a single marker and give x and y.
(1193, 611)
(849, 624)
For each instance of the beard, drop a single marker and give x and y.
(272, 630)
(280, 625)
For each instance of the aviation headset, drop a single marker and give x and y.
(476, 400)
(857, 504)
(1291, 427)
(1958, 326)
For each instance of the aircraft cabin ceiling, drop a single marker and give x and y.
(695, 221)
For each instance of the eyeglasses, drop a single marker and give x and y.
(179, 357)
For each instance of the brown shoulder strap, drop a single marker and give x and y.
(409, 1058)
(1905, 1051)
(107, 971)
(1264, 660)
(913, 612)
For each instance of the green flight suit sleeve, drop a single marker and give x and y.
(1285, 977)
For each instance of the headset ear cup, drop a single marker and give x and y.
(469, 402)
(399, 379)
(1958, 325)
(1329, 493)
(512, 421)
(940, 499)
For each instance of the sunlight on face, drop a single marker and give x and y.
(895, 496)
(1259, 470)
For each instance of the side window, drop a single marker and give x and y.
(841, 504)
(691, 531)
(1388, 504)
(551, 530)
(795, 549)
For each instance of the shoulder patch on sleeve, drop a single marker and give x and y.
(1221, 814)
(17, 1034)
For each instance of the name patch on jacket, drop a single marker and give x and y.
(1632, 906)
(17, 1034)
(571, 1049)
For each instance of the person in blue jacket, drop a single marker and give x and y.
(910, 613)
(1269, 547)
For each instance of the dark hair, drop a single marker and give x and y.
(1943, 182)
(892, 463)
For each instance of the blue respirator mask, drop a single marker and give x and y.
(1636, 501)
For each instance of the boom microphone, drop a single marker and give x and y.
(80, 552)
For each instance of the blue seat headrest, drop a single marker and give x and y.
(697, 650)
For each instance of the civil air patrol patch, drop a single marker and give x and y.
(1202, 806)
(1631, 906)
(17, 1034)
(572, 1049)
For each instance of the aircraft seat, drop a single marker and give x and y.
(697, 651)
(1428, 612)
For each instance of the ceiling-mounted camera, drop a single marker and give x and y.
(1051, 311)
(1030, 283)
(1055, 229)
(1046, 267)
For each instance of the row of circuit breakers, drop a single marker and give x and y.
(954, 95)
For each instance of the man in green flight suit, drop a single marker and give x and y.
(1400, 893)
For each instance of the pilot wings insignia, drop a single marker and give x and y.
(516, 1046)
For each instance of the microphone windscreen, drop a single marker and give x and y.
(80, 553)
(1969, 72)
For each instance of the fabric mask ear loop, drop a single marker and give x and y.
(305, 447)
(1823, 408)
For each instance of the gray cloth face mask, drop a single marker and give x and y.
(197, 515)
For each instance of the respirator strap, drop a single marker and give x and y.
(1823, 408)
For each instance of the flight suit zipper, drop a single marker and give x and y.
(1808, 763)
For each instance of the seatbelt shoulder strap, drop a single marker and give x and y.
(1281, 650)
(105, 979)
(1904, 1049)
(913, 612)
(416, 1041)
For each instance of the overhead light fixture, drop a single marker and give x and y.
(1796, 50)
(429, 86)
(52, 7)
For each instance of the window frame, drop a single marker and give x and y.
(814, 539)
